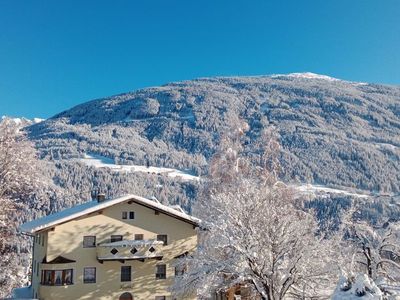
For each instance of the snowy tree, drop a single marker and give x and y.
(18, 180)
(359, 287)
(374, 250)
(254, 232)
(378, 250)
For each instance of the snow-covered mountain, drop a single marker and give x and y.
(333, 132)
(340, 142)
(23, 121)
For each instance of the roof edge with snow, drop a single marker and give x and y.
(93, 206)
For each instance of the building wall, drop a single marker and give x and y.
(66, 240)
(39, 252)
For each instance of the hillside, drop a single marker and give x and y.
(340, 142)
(333, 132)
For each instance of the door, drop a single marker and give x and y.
(126, 296)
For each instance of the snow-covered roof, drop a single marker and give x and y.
(94, 206)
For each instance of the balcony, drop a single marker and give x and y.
(129, 250)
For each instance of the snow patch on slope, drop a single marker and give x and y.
(37, 120)
(306, 75)
(99, 161)
(315, 189)
(310, 75)
(387, 146)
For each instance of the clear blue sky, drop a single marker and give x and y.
(56, 54)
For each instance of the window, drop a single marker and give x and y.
(138, 237)
(39, 238)
(161, 272)
(89, 241)
(180, 270)
(37, 269)
(163, 238)
(160, 298)
(126, 273)
(67, 276)
(89, 275)
(47, 277)
(57, 277)
(116, 238)
(43, 240)
(125, 215)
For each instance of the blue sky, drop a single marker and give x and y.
(57, 54)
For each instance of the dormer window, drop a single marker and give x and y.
(128, 215)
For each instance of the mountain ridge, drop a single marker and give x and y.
(333, 132)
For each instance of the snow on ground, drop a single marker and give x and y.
(310, 75)
(363, 288)
(99, 161)
(37, 120)
(387, 145)
(307, 75)
(314, 189)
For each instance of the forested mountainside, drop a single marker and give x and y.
(333, 132)
(342, 138)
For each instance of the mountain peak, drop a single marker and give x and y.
(22, 120)
(306, 75)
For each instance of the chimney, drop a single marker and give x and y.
(100, 197)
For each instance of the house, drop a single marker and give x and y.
(124, 248)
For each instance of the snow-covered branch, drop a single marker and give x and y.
(255, 232)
